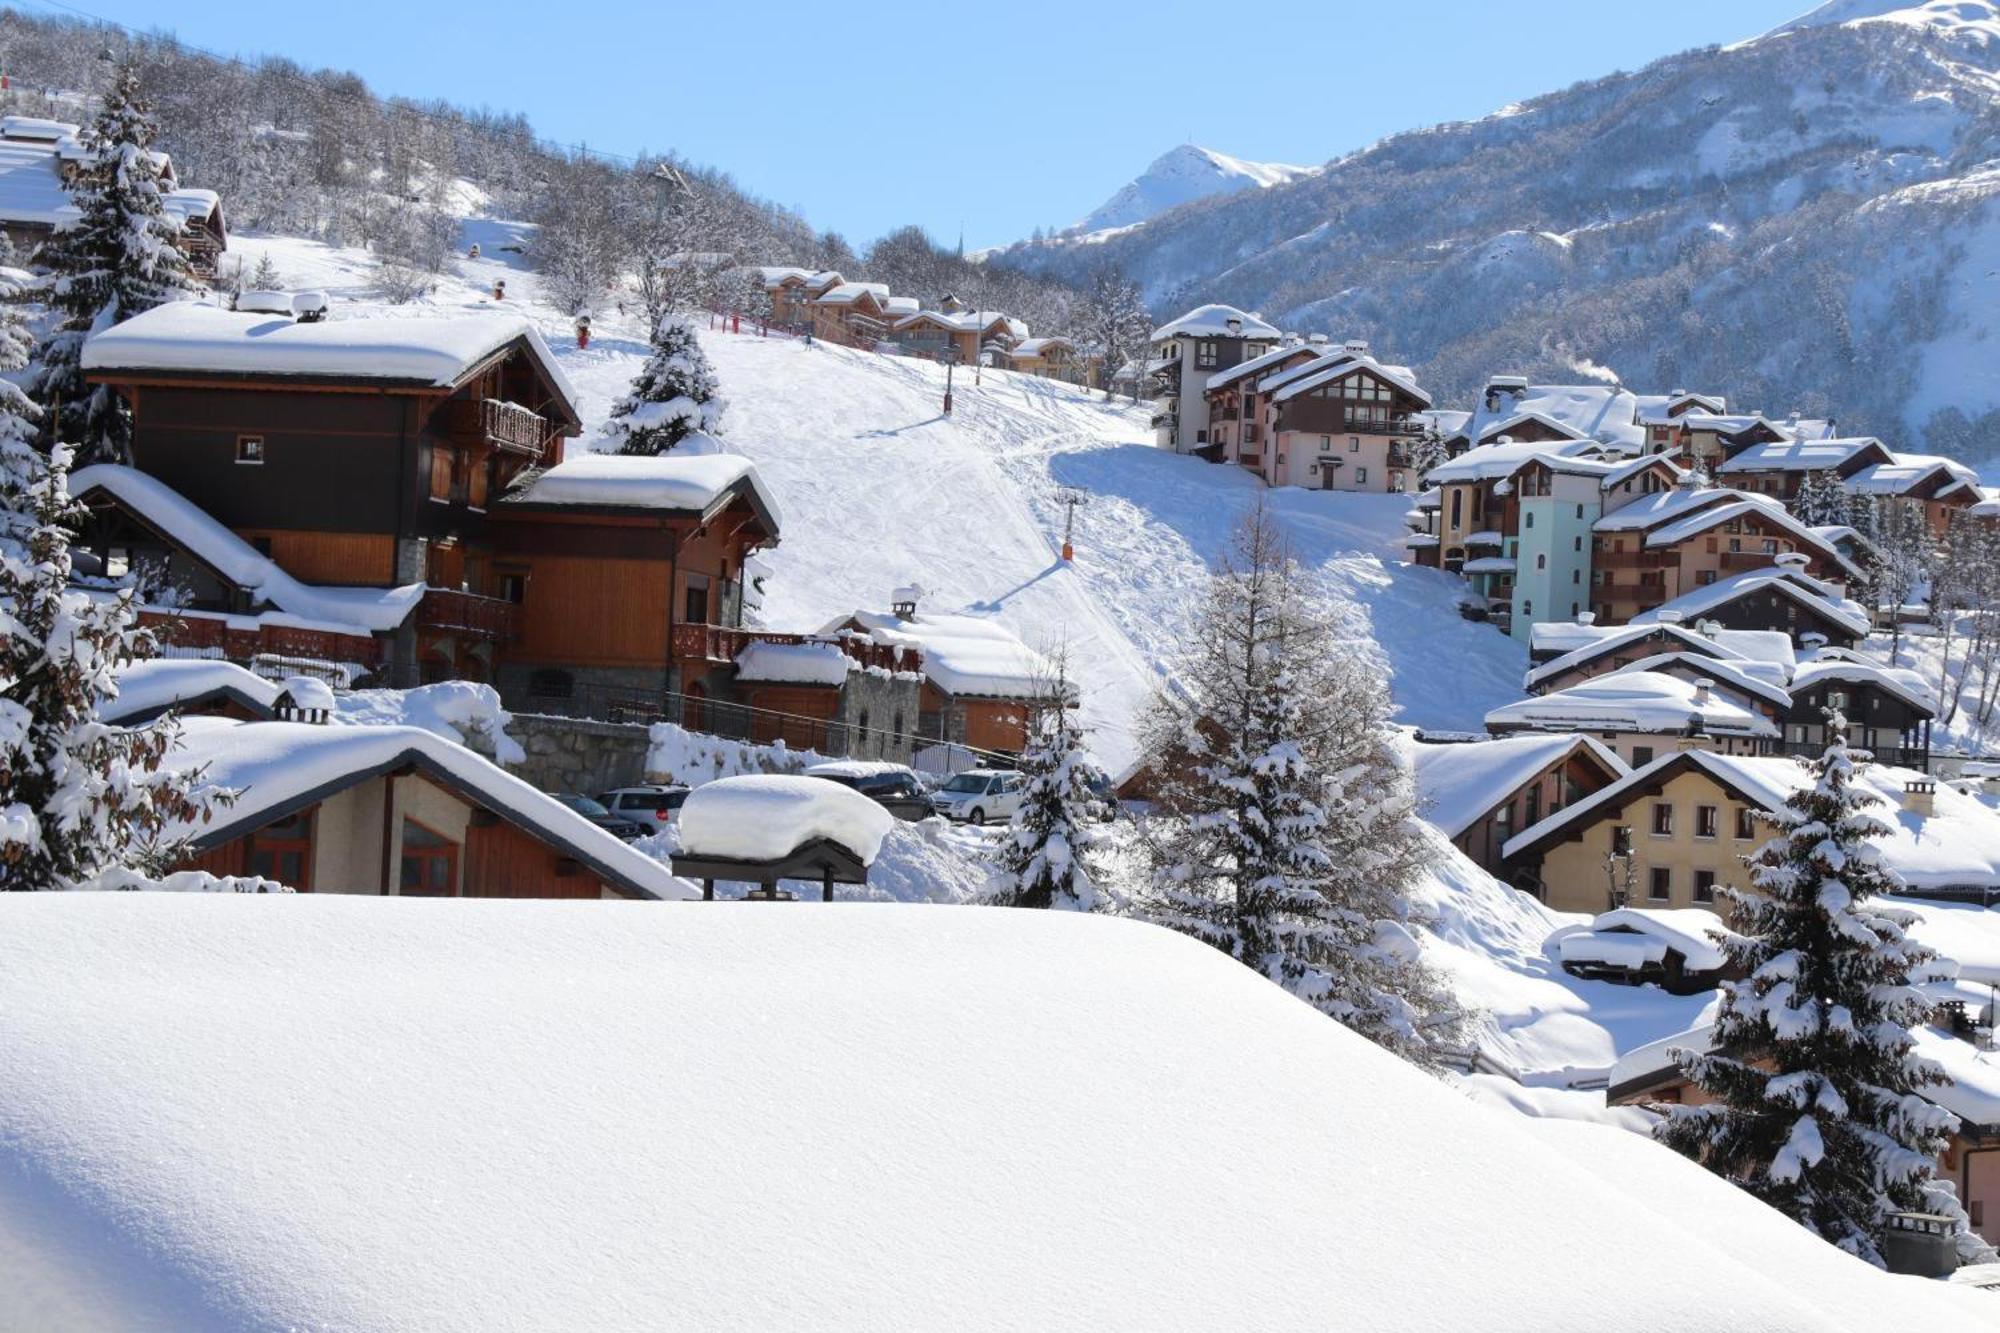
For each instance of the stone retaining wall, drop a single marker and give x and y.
(570, 754)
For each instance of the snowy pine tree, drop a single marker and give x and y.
(1817, 1104)
(116, 261)
(1287, 834)
(1822, 500)
(673, 396)
(82, 804)
(1044, 859)
(266, 278)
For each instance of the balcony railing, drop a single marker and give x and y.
(721, 643)
(455, 612)
(498, 424)
(208, 635)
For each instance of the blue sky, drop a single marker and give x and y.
(999, 117)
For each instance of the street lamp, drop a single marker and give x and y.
(950, 358)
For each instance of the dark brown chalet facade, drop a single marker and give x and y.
(354, 454)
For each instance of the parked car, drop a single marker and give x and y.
(616, 825)
(893, 786)
(654, 807)
(980, 794)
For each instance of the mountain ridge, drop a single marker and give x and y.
(1180, 175)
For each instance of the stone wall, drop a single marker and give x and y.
(879, 713)
(568, 754)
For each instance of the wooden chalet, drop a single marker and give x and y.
(38, 160)
(1479, 794)
(852, 314)
(1318, 416)
(397, 811)
(360, 453)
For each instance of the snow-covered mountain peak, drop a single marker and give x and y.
(1181, 175)
(1981, 16)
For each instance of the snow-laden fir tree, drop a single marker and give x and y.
(1818, 1106)
(1822, 500)
(82, 804)
(117, 260)
(1044, 861)
(673, 396)
(1286, 832)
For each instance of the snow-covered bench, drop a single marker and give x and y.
(767, 828)
(1680, 948)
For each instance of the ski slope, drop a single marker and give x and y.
(879, 489)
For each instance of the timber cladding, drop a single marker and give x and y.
(329, 557)
(593, 611)
(328, 461)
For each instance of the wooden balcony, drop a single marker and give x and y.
(449, 611)
(720, 643)
(500, 425)
(241, 638)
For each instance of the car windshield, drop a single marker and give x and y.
(965, 783)
(583, 805)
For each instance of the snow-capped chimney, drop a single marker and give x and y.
(1318, 340)
(1586, 617)
(1358, 346)
(1704, 690)
(1708, 629)
(1920, 797)
(1669, 617)
(1694, 736)
(1793, 560)
(303, 699)
(265, 303)
(1505, 386)
(903, 601)
(1235, 327)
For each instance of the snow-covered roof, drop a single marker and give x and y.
(768, 816)
(1256, 365)
(694, 484)
(1692, 604)
(1595, 641)
(1028, 347)
(1347, 366)
(1906, 472)
(820, 663)
(37, 128)
(963, 655)
(372, 610)
(1624, 472)
(276, 768)
(190, 204)
(1641, 701)
(146, 689)
(901, 305)
(1492, 462)
(774, 275)
(1695, 933)
(1757, 680)
(1214, 321)
(847, 293)
(853, 1078)
(31, 189)
(1457, 784)
(1907, 685)
(1796, 455)
(1602, 412)
(194, 337)
(1488, 564)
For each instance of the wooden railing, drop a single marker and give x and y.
(720, 643)
(239, 638)
(458, 612)
(511, 427)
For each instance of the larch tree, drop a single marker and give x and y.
(1817, 1089)
(82, 804)
(1285, 831)
(675, 394)
(1044, 861)
(1115, 322)
(117, 260)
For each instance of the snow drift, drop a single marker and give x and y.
(301, 1112)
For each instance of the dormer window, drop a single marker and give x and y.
(250, 449)
(1206, 354)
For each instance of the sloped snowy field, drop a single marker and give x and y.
(335, 1113)
(879, 489)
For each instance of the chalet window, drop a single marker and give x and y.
(1705, 821)
(1541, 561)
(1576, 544)
(1704, 886)
(1836, 699)
(1205, 355)
(1621, 840)
(1663, 820)
(1704, 577)
(1353, 444)
(549, 683)
(1659, 884)
(513, 586)
(1735, 545)
(1457, 497)
(1360, 475)
(429, 863)
(250, 449)
(1534, 804)
(1746, 823)
(695, 610)
(283, 851)
(1527, 609)
(1642, 755)
(117, 562)
(1575, 578)
(1527, 520)
(1579, 540)
(1770, 546)
(441, 470)
(1395, 481)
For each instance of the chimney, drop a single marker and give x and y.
(1318, 340)
(1704, 691)
(303, 699)
(1235, 327)
(903, 601)
(1708, 629)
(1793, 560)
(1358, 346)
(1668, 617)
(1694, 736)
(1920, 797)
(1586, 617)
(1499, 386)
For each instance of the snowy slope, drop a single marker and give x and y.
(1179, 176)
(334, 1113)
(879, 489)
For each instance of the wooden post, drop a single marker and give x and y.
(826, 885)
(708, 890)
